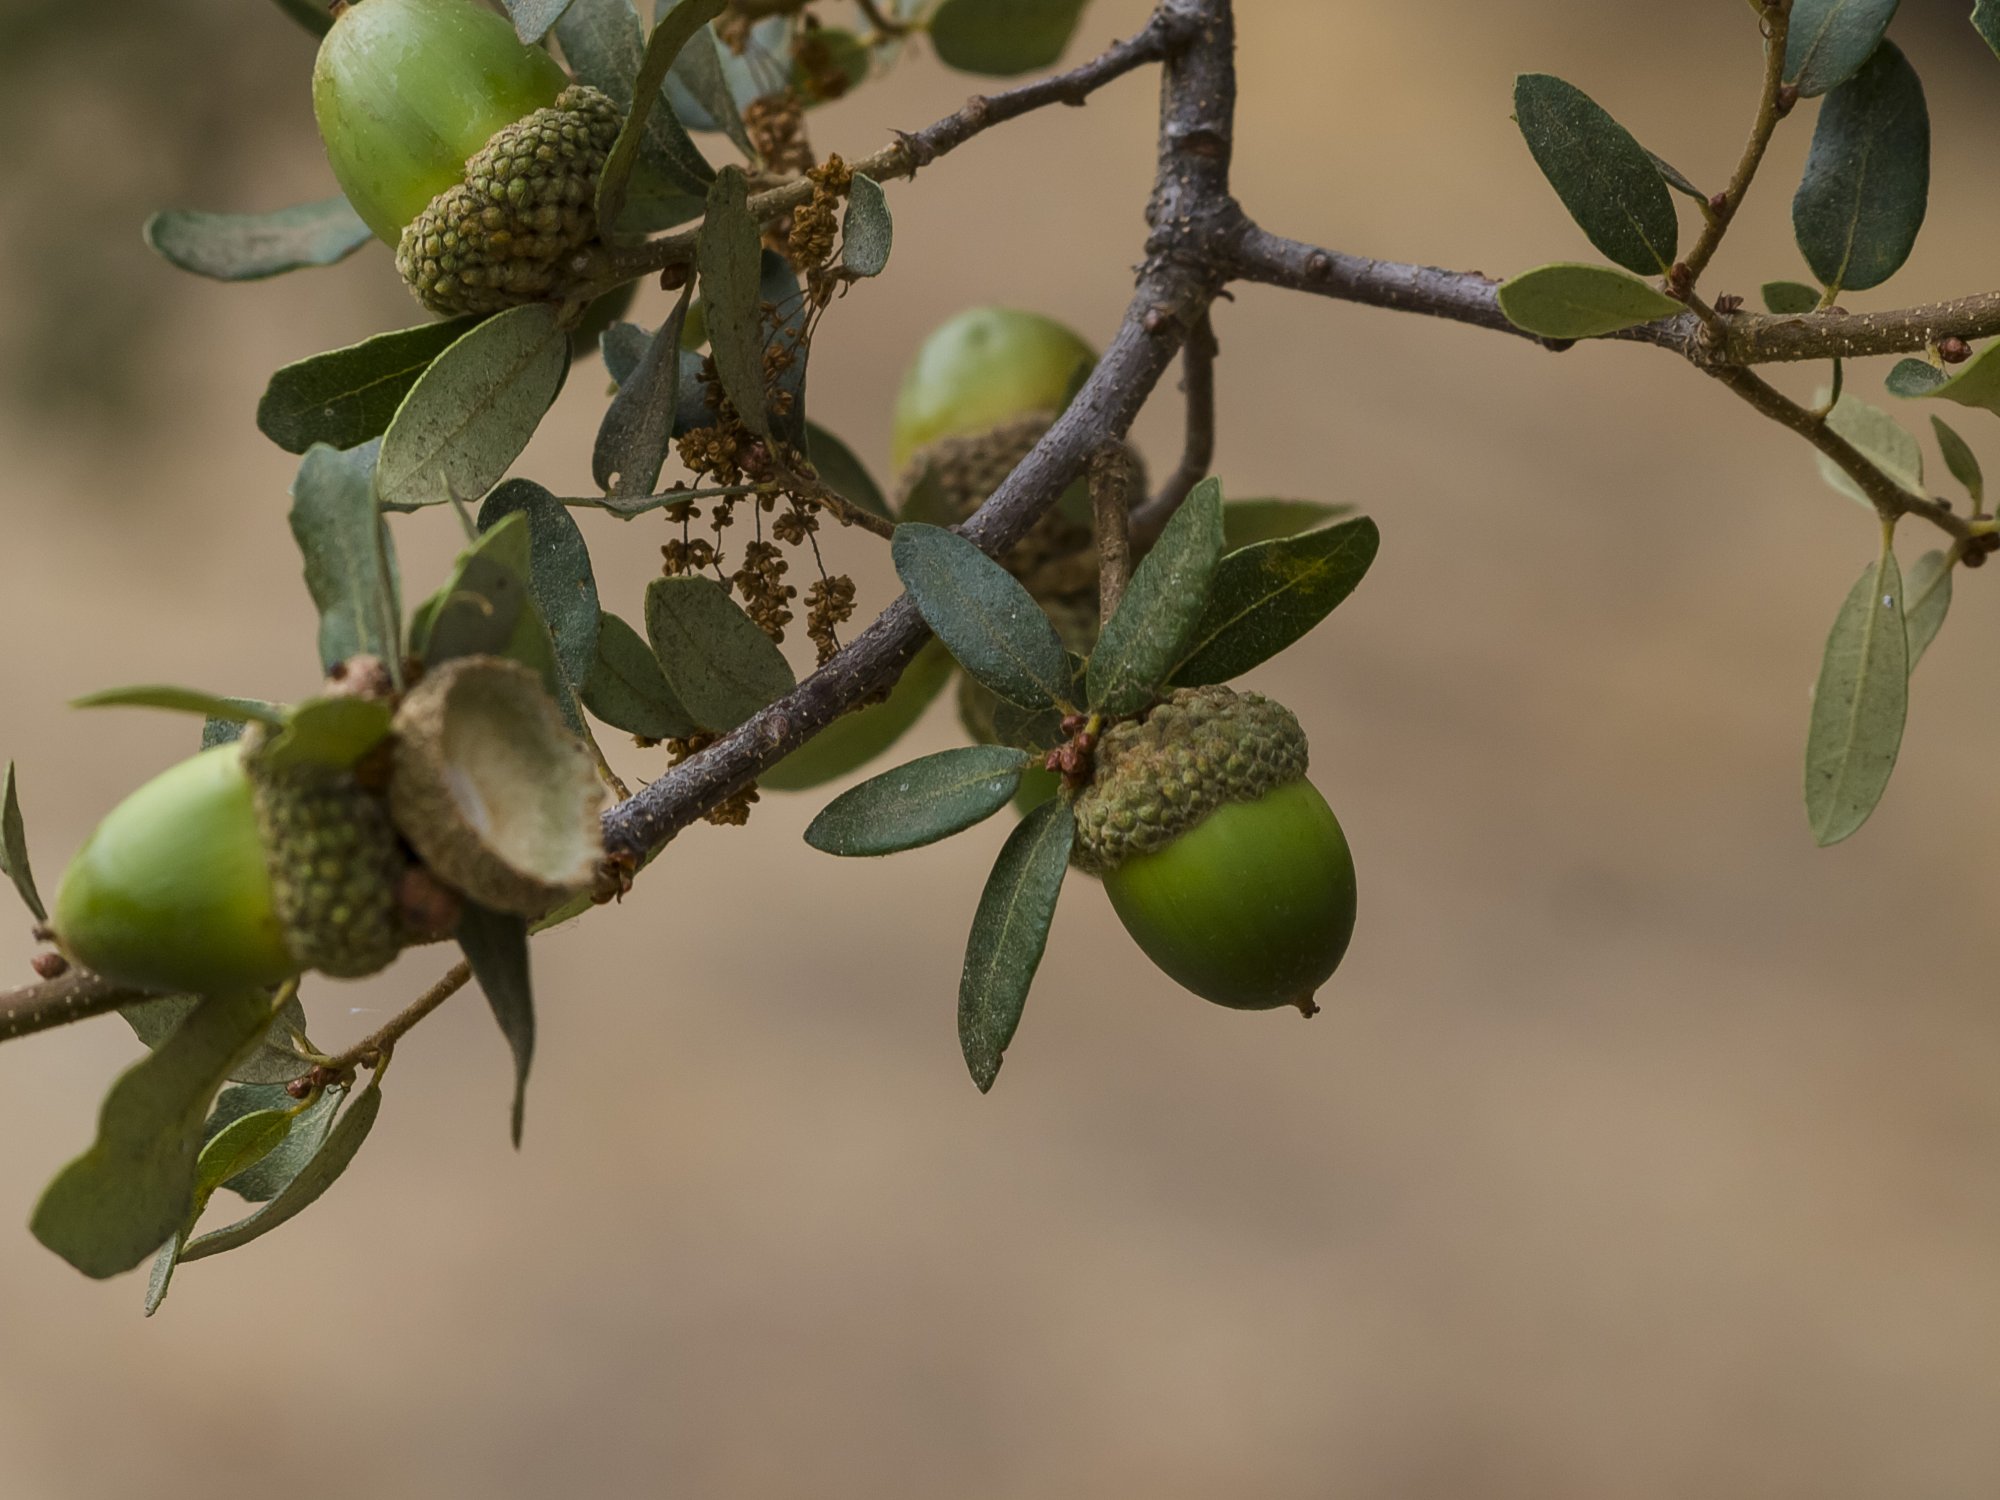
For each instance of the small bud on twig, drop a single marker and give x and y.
(1954, 351)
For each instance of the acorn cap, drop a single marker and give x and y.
(492, 790)
(1157, 777)
(335, 864)
(528, 203)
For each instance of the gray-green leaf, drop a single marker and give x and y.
(1268, 596)
(985, 618)
(1960, 460)
(1867, 179)
(347, 396)
(269, 1177)
(928, 799)
(1986, 21)
(638, 428)
(14, 848)
(185, 701)
(349, 558)
(1568, 300)
(249, 247)
(1975, 383)
(718, 663)
(647, 104)
(1003, 37)
(1859, 705)
(238, 1147)
(1913, 377)
(1929, 592)
(1009, 932)
(866, 229)
(275, 1060)
(1829, 40)
(1605, 178)
(1881, 440)
(496, 945)
(533, 18)
(118, 1202)
(471, 413)
(627, 689)
(1154, 622)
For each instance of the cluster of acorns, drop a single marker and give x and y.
(1225, 864)
(239, 867)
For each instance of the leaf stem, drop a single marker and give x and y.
(1776, 19)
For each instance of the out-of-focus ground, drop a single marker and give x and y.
(1643, 1150)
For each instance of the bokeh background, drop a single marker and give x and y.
(1643, 1150)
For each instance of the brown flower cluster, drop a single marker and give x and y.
(815, 224)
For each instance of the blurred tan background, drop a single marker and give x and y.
(1642, 1151)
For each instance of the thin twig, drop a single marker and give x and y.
(1776, 21)
(1198, 440)
(369, 1049)
(1111, 514)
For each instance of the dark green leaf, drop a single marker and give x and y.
(1268, 596)
(1571, 301)
(928, 799)
(700, 70)
(866, 229)
(310, 14)
(533, 18)
(319, 1174)
(646, 105)
(832, 62)
(1245, 522)
(856, 738)
(1790, 297)
(1003, 37)
(1859, 705)
(718, 663)
(14, 848)
(1929, 591)
(1009, 932)
(185, 701)
(347, 396)
(349, 558)
(1961, 461)
(1829, 40)
(604, 45)
(1975, 383)
(496, 945)
(560, 578)
(1605, 178)
(1024, 728)
(1676, 179)
(237, 1147)
(1986, 21)
(628, 691)
(117, 1203)
(472, 412)
(843, 473)
(638, 428)
(331, 732)
(1867, 180)
(730, 259)
(985, 618)
(249, 247)
(1155, 621)
(228, 731)
(1914, 377)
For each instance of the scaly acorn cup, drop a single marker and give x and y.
(220, 873)
(492, 790)
(1224, 863)
(467, 150)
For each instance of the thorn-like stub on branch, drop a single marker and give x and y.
(1319, 265)
(1728, 303)
(1787, 97)
(1954, 351)
(1718, 203)
(49, 965)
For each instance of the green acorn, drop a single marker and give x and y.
(467, 150)
(1224, 863)
(219, 874)
(986, 366)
